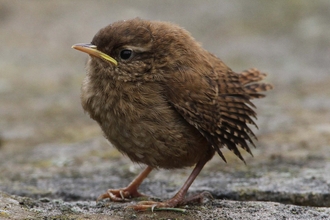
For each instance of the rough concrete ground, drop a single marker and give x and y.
(54, 161)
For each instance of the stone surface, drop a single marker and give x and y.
(54, 161)
(15, 207)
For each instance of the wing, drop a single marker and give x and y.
(216, 101)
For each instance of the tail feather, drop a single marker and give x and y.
(250, 80)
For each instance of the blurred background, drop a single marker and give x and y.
(40, 75)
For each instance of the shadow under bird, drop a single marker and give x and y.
(164, 101)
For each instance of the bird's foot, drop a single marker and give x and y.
(171, 203)
(152, 205)
(121, 195)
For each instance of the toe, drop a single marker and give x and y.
(147, 205)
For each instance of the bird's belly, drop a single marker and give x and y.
(166, 141)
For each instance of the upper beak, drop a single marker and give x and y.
(93, 51)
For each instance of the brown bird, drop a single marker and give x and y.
(164, 101)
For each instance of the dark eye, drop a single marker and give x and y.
(126, 54)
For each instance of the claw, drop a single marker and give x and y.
(120, 195)
(152, 208)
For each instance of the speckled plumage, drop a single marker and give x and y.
(172, 104)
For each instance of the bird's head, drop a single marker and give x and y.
(140, 50)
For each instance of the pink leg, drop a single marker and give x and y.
(179, 198)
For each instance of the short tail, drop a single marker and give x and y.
(250, 80)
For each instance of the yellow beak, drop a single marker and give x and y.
(93, 51)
